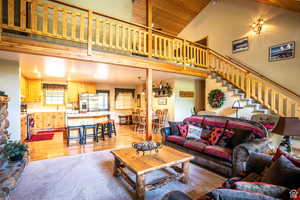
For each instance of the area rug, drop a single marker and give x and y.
(40, 137)
(89, 177)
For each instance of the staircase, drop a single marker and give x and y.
(257, 93)
(249, 105)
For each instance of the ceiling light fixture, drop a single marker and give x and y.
(257, 26)
(55, 67)
(102, 72)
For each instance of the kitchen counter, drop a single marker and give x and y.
(89, 114)
(77, 119)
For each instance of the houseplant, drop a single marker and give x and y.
(14, 150)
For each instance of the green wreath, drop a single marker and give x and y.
(216, 98)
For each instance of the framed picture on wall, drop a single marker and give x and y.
(162, 101)
(240, 45)
(282, 51)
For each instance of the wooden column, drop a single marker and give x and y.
(149, 104)
(1, 20)
(149, 24)
(90, 32)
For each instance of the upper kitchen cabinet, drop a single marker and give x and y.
(34, 90)
(24, 88)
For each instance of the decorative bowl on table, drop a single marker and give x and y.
(147, 146)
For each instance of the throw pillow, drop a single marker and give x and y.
(280, 152)
(194, 132)
(183, 129)
(174, 128)
(240, 136)
(215, 136)
(224, 140)
(282, 172)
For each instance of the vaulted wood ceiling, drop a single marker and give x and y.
(293, 5)
(173, 15)
(169, 15)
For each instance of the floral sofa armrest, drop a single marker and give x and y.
(230, 194)
(165, 132)
(241, 154)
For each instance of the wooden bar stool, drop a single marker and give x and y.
(86, 135)
(78, 136)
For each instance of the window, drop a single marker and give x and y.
(124, 98)
(54, 94)
(124, 101)
(103, 100)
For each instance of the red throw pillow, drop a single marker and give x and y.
(269, 126)
(225, 138)
(183, 129)
(279, 153)
(215, 135)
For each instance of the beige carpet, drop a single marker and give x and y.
(89, 177)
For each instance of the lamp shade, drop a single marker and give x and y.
(288, 126)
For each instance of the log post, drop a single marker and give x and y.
(149, 25)
(1, 19)
(90, 32)
(149, 104)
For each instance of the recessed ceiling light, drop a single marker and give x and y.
(102, 72)
(55, 67)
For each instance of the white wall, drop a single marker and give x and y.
(184, 105)
(116, 8)
(9, 83)
(229, 20)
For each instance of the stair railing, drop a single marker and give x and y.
(267, 92)
(93, 31)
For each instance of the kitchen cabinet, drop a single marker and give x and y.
(23, 128)
(24, 88)
(49, 120)
(76, 88)
(35, 91)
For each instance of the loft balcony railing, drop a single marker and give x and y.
(63, 21)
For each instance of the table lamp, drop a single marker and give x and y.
(237, 106)
(287, 127)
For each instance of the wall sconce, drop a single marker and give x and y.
(257, 26)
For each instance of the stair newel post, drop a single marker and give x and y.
(90, 32)
(248, 85)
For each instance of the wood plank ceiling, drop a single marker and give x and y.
(173, 15)
(293, 5)
(169, 15)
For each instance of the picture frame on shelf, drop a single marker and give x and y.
(162, 101)
(283, 51)
(240, 45)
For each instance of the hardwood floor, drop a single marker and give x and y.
(57, 147)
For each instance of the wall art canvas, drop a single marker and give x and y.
(282, 51)
(240, 45)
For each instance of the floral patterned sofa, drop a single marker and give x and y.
(265, 178)
(224, 160)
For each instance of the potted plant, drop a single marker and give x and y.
(14, 150)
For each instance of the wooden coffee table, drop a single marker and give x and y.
(142, 164)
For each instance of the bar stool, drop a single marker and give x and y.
(100, 130)
(79, 136)
(93, 135)
(112, 127)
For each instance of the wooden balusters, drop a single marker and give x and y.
(23, 12)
